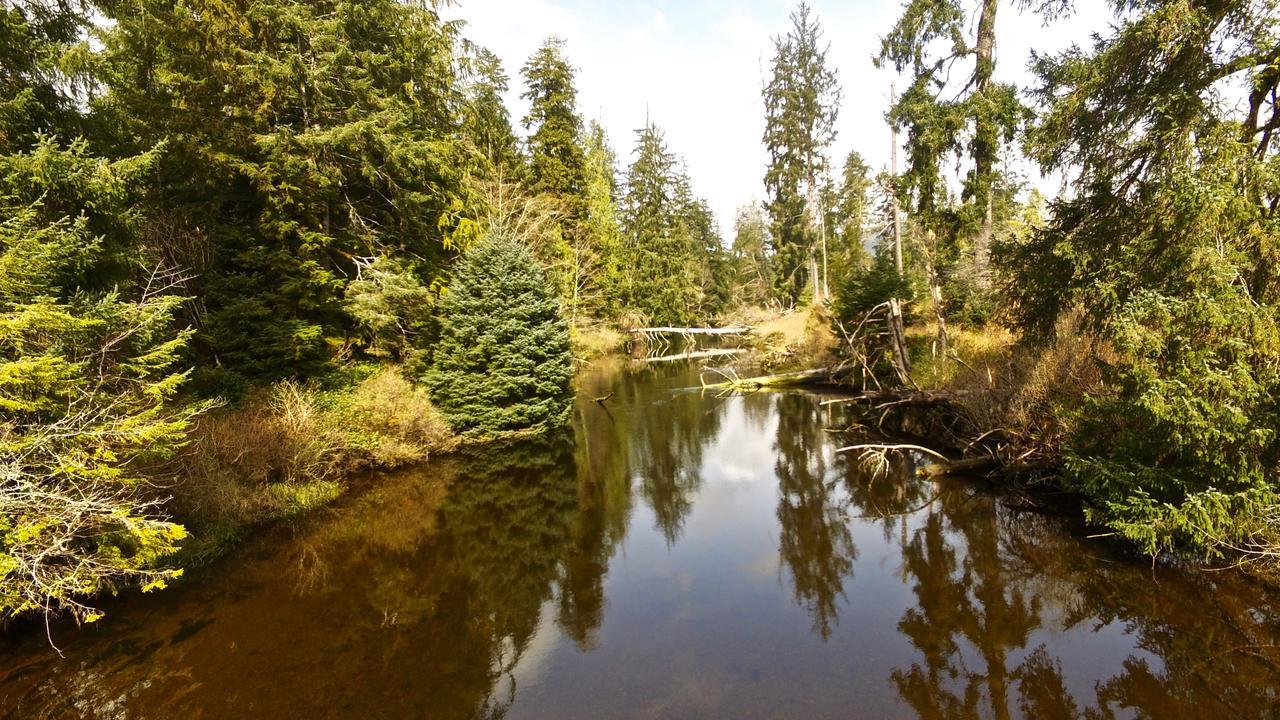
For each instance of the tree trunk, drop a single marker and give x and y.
(897, 221)
(898, 341)
(985, 140)
(935, 293)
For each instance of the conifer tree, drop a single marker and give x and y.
(659, 246)
(974, 122)
(298, 137)
(1168, 247)
(486, 121)
(600, 226)
(502, 359)
(801, 101)
(753, 280)
(86, 385)
(557, 165)
(849, 214)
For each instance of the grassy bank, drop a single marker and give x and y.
(783, 340)
(292, 447)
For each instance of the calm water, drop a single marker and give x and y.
(678, 556)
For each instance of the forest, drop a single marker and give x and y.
(250, 250)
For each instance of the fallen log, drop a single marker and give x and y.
(693, 355)
(816, 376)
(730, 330)
(963, 466)
(914, 398)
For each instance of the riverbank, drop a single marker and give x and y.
(291, 448)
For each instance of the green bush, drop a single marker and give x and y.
(502, 360)
(968, 302)
(862, 290)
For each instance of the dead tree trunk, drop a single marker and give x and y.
(898, 342)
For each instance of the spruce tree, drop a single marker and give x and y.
(297, 137)
(974, 123)
(1168, 246)
(501, 362)
(849, 214)
(600, 226)
(661, 285)
(752, 272)
(486, 122)
(87, 384)
(557, 164)
(801, 100)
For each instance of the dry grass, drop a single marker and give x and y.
(292, 448)
(1002, 384)
(801, 337)
(592, 341)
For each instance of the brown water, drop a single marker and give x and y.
(678, 556)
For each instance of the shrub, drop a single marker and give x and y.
(862, 290)
(502, 361)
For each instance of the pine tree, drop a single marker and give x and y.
(502, 359)
(801, 101)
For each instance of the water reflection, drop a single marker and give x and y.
(675, 555)
(816, 543)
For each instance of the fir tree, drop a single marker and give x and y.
(502, 359)
(660, 285)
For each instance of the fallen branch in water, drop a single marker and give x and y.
(883, 448)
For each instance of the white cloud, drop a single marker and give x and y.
(696, 70)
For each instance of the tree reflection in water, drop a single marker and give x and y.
(987, 578)
(815, 541)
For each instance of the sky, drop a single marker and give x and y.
(696, 69)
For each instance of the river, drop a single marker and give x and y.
(678, 555)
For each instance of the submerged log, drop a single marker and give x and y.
(912, 398)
